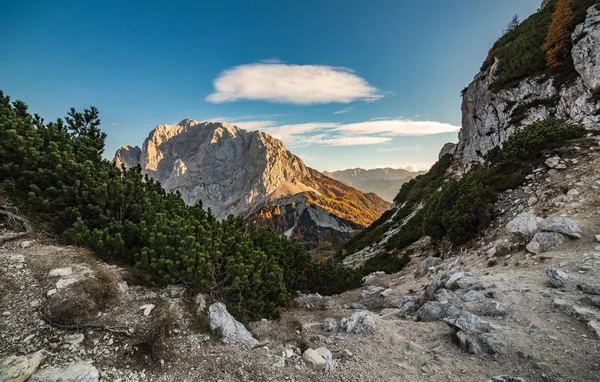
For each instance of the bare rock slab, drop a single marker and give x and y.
(82, 371)
(19, 368)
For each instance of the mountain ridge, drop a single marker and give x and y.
(240, 172)
(384, 182)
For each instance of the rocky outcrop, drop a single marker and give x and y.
(231, 331)
(488, 115)
(239, 172)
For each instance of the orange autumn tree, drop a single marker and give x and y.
(559, 36)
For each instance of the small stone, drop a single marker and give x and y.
(506, 378)
(556, 278)
(357, 306)
(589, 288)
(552, 162)
(330, 324)
(326, 354)
(598, 240)
(386, 292)
(147, 309)
(431, 311)
(200, 301)
(563, 225)
(314, 359)
(59, 272)
(51, 292)
(27, 243)
(74, 339)
(473, 295)
(359, 323)
(429, 262)
(544, 241)
(175, 291)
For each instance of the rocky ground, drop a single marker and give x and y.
(522, 301)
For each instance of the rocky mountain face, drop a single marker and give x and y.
(385, 182)
(247, 173)
(490, 116)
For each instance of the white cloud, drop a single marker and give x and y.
(398, 127)
(353, 141)
(297, 84)
(344, 110)
(403, 148)
(284, 132)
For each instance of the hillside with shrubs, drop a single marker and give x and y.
(55, 173)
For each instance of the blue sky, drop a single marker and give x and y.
(344, 83)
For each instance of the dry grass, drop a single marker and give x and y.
(79, 303)
(150, 337)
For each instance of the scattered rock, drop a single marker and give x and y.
(525, 225)
(314, 359)
(386, 292)
(430, 290)
(562, 225)
(543, 241)
(19, 368)
(73, 339)
(147, 309)
(598, 238)
(408, 305)
(357, 306)
(27, 243)
(473, 295)
(473, 333)
(359, 322)
(60, 272)
(506, 378)
(429, 262)
(447, 297)
(556, 277)
(330, 324)
(589, 288)
(200, 301)
(595, 326)
(82, 371)
(232, 331)
(431, 311)
(552, 162)
(326, 354)
(175, 291)
(486, 308)
(451, 284)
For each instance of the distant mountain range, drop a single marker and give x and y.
(385, 182)
(253, 175)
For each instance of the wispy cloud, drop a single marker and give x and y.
(398, 127)
(296, 84)
(354, 141)
(403, 148)
(344, 110)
